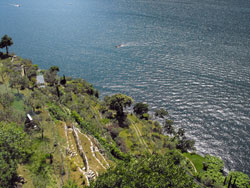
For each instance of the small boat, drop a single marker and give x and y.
(16, 5)
(119, 46)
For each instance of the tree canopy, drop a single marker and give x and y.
(50, 76)
(13, 142)
(5, 42)
(140, 108)
(240, 179)
(118, 102)
(150, 171)
(161, 113)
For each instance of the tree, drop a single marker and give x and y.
(5, 42)
(118, 102)
(63, 80)
(6, 100)
(180, 132)
(148, 171)
(17, 81)
(212, 162)
(168, 127)
(14, 150)
(54, 69)
(161, 113)
(140, 108)
(239, 179)
(50, 76)
(185, 144)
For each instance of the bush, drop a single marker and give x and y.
(241, 180)
(145, 116)
(56, 112)
(213, 163)
(170, 145)
(140, 108)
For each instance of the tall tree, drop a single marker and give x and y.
(5, 42)
(118, 102)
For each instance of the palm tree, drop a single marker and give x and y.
(5, 42)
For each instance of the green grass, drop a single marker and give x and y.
(125, 134)
(196, 159)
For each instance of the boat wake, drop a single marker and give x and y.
(131, 44)
(15, 5)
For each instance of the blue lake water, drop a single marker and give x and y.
(191, 57)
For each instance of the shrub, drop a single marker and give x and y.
(56, 112)
(214, 163)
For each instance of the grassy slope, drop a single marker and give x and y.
(196, 159)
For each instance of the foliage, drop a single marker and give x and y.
(147, 171)
(29, 69)
(185, 144)
(6, 99)
(5, 42)
(212, 174)
(14, 150)
(118, 102)
(110, 147)
(70, 184)
(161, 113)
(211, 177)
(241, 180)
(140, 108)
(18, 82)
(213, 163)
(54, 69)
(56, 112)
(50, 75)
(168, 126)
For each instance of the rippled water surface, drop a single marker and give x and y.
(191, 57)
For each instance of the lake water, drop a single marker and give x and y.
(191, 57)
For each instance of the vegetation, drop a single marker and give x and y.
(141, 109)
(161, 113)
(118, 102)
(63, 135)
(14, 150)
(6, 42)
(147, 171)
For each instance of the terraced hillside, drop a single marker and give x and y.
(75, 139)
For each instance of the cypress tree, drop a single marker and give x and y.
(229, 183)
(234, 182)
(225, 181)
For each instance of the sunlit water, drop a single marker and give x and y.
(191, 57)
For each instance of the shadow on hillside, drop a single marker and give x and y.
(4, 56)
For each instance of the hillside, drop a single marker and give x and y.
(71, 138)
